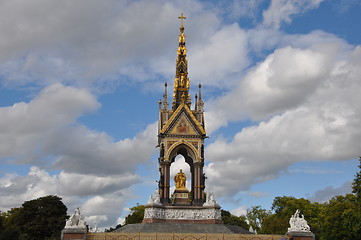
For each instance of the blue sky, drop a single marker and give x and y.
(80, 82)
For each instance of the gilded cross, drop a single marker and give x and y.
(182, 17)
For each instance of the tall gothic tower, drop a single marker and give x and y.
(181, 130)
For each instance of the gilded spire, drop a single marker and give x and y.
(182, 17)
(165, 97)
(181, 80)
(199, 103)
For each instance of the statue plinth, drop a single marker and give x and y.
(181, 198)
(74, 234)
(301, 235)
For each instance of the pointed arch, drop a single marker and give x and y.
(187, 150)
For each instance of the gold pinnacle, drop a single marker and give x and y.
(182, 17)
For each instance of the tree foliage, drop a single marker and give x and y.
(341, 219)
(111, 229)
(356, 184)
(39, 219)
(10, 229)
(136, 215)
(231, 219)
(256, 216)
(285, 207)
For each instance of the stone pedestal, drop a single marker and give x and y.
(301, 235)
(181, 198)
(182, 214)
(73, 234)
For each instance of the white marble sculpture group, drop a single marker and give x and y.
(76, 221)
(210, 200)
(154, 200)
(298, 223)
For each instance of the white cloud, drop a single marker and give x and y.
(98, 45)
(244, 8)
(90, 43)
(46, 127)
(317, 116)
(24, 127)
(240, 211)
(282, 10)
(284, 80)
(257, 194)
(223, 54)
(329, 192)
(344, 6)
(88, 152)
(44, 132)
(105, 196)
(87, 184)
(17, 189)
(103, 210)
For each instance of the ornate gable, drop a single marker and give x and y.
(183, 122)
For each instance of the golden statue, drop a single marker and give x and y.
(180, 181)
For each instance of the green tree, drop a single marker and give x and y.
(39, 219)
(255, 216)
(136, 215)
(111, 229)
(231, 219)
(1, 225)
(10, 230)
(356, 184)
(42, 218)
(342, 215)
(285, 207)
(341, 219)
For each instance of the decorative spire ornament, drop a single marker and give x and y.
(181, 80)
(165, 97)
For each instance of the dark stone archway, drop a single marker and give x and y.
(196, 169)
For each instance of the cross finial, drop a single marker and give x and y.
(182, 17)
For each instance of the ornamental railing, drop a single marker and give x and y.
(182, 236)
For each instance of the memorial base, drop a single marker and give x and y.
(301, 235)
(73, 234)
(181, 198)
(182, 214)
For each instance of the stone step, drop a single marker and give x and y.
(182, 228)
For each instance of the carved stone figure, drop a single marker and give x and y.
(203, 179)
(95, 229)
(156, 199)
(298, 224)
(210, 201)
(76, 221)
(161, 150)
(150, 200)
(180, 181)
(161, 180)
